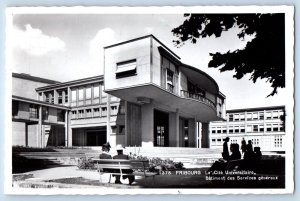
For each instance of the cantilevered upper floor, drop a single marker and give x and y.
(144, 70)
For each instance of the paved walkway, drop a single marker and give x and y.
(179, 179)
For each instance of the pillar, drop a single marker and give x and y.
(41, 134)
(68, 129)
(205, 136)
(26, 135)
(108, 127)
(192, 132)
(147, 125)
(177, 128)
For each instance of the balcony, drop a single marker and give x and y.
(187, 94)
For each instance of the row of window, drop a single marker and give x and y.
(83, 95)
(255, 128)
(96, 112)
(251, 116)
(33, 113)
(278, 142)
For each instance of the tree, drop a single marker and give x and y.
(263, 57)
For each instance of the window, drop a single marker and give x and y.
(249, 129)
(236, 129)
(269, 115)
(88, 93)
(236, 117)
(255, 128)
(60, 97)
(96, 93)
(261, 116)
(96, 112)
(73, 97)
(80, 113)
(103, 111)
(242, 117)
(249, 116)
(255, 116)
(66, 96)
(45, 113)
(213, 131)
(60, 115)
(74, 114)
(230, 129)
(261, 128)
(231, 117)
(276, 115)
(170, 85)
(114, 110)
(269, 127)
(80, 94)
(88, 113)
(33, 111)
(114, 129)
(126, 69)
(47, 97)
(242, 129)
(278, 141)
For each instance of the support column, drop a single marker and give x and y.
(108, 127)
(26, 135)
(68, 129)
(177, 128)
(205, 136)
(126, 123)
(40, 139)
(192, 132)
(147, 125)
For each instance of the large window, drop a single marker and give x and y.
(125, 69)
(88, 95)
(80, 96)
(73, 97)
(96, 93)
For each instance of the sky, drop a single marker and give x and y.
(66, 47)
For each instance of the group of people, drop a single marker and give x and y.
(248, 153)
(120, 155)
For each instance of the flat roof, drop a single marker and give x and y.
(70, 83)
(33, 101)
(34, 78)
(141, 38)
(256, 109)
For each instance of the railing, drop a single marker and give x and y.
(187, 94)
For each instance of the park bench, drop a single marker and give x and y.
(117, 167)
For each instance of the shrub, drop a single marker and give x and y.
(85, 164)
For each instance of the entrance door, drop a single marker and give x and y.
(161, 129)
(95, 138)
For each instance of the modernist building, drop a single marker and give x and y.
(264, 126)
(147, 97)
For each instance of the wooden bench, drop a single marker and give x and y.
(117, 167)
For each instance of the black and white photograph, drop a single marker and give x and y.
(150, 100)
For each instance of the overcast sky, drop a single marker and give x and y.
(67, 47)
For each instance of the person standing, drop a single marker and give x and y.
(225, 153)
